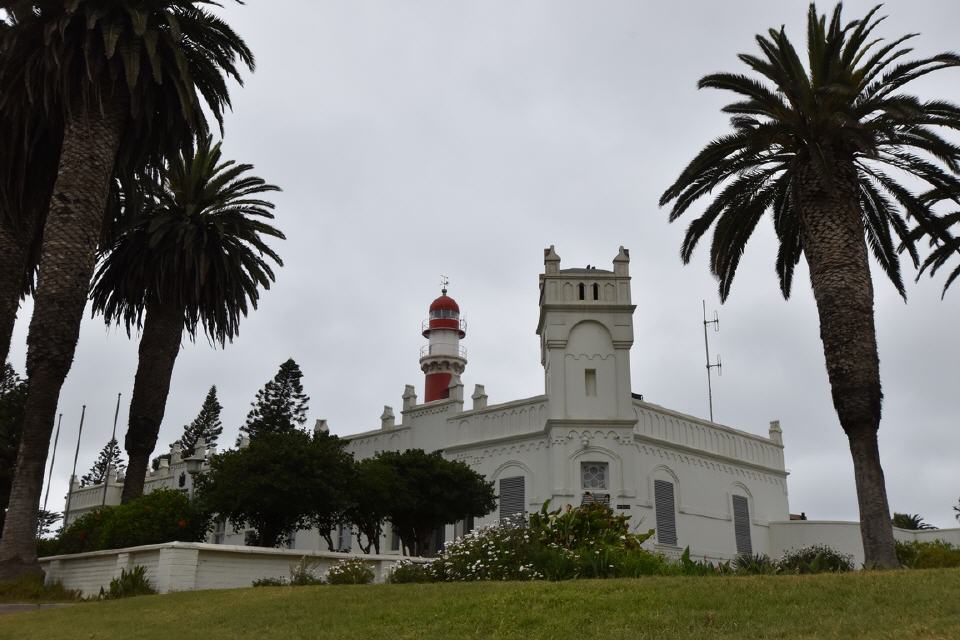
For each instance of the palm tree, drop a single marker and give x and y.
(127, 79)
(28, 166)
(911, 521)
(816, 146)
(943, 251)
(193, 259)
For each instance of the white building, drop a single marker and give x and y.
(700, 484)
(718, 490)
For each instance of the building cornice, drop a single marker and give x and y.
(667, 444)
(706, 423)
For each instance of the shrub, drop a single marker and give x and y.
(687, 566)
(575, 542)
(270, 582)
(164, 515)
(818, 558)
(129, 584)
(591, 525)
(302, 574)
(503, 551)
(935, 554)
(352, 571)
(31, 588)
(758, 564)
(407, 571)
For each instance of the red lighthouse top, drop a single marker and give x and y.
(444, 303)
(444, 314)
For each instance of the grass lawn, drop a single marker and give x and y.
(904, 604)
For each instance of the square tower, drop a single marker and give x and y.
(586, 331)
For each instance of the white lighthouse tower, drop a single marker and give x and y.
(442, 357)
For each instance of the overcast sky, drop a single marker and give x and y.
(420, 138)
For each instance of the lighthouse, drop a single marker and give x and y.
(442, 357)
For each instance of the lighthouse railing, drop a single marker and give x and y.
(442, 350)
(462, 324)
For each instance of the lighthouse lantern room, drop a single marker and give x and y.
(442, 357)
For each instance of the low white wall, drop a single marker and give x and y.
(841, 536)
(189, 566)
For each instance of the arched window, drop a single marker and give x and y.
(582, 291)
(596, 291)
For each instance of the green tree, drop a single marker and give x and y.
(13, 397)
(109, 459)
(822, 147)
(128, 80)
(190, 257)
(206, 425)
(45, 522)
(429, 492)
(279, 483)
(371, 493)
(911, 521)
(281, 405)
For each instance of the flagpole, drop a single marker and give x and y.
(106, 475)
(73, 475)
(53, 459)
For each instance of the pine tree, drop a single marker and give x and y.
(281, 406)
(206, 425)
(109, 456)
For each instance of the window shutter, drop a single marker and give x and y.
(666, 512)
(345, 542)
(512, 497)
(741, 525)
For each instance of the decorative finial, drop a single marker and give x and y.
(444, 283)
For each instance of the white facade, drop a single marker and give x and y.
(698, 483)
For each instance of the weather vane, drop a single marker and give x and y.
(444, 283)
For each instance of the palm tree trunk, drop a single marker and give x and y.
(159, 346)
(74, 221)
(13, 254)
(836, 252)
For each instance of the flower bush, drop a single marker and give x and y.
(575, 542)
(407, 571)
(352, 571)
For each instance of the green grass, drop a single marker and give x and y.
(904, 604)
(32, 589)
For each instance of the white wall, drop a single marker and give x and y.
(182, 566)
(841, 536)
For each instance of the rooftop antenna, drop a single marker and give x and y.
(444, 283)
(706, 345)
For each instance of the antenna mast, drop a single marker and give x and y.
(706, 345)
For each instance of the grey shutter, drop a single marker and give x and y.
(345, 543)
(512, 497)
(666, 512)
(741, 525)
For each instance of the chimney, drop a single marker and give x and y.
(479, 397)
(409, 397)
(776, 433)
(320, 426)
(387, 418)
